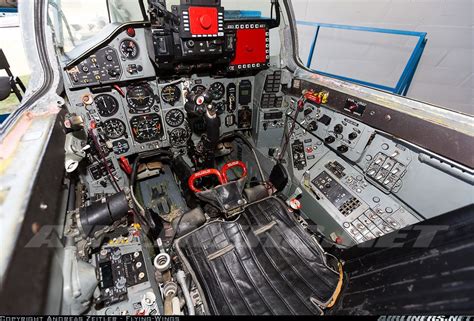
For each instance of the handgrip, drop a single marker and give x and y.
(201, 174)
(231, 165)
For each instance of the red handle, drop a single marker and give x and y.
(230, 165)
(201, 174)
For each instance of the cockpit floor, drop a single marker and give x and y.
(262, 263)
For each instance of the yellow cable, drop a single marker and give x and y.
(336, 294)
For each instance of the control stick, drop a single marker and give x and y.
(201, 105)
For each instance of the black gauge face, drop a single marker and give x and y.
(114, 128)
(174, 118)
(220, 107)
(129, 49)
(140, 97)
(218, 90)
(107, 105)
(147, 128)
(179, 137)
(171, 94)
(121, 147)
(198, 90)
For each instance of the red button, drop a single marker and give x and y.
(309, 150)
(206, 21)
(131, 32)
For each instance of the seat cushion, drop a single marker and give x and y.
(261, 264)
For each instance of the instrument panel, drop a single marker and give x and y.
(124, 58)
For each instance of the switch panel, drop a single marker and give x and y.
(361, 209)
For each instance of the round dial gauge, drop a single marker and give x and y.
(174, 118)
(140, 97)
(121, 146)
(198, 89)
(129, 49)
(218, 90)
(171, 94)
(107, 105)
(179, 137)
(114, 128)
(220, 107)
(147, 128)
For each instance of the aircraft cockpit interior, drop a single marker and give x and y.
(195, 167)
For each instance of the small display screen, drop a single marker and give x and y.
(203, 20)
(107, 280)
(251, 47)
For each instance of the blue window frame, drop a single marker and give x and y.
(406, 77)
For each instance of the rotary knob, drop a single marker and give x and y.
(338, 129)
(330, 139)
(120, 283)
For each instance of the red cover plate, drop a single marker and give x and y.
(203, 21)
(251, 47)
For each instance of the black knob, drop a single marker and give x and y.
(338, 129)
(313, 126)
(113, 73)
(352, 135)
(330, 139)
(343, 149)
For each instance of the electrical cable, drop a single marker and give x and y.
(175, 234)
(299, 108)
(104, 161)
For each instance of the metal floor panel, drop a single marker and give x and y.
(261, 264)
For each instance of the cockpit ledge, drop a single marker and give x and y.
(438, 115)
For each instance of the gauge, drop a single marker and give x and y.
(147, 128)
(198, 90)
(121, 146)
(114, 128)
(220, 107)
(171, 94)
(179, 137)
(174, 118)
(129, 49)
(107, 105)
(218, 90)
(140, 97)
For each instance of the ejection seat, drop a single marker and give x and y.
(260, 263)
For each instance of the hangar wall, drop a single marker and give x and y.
(445, 74)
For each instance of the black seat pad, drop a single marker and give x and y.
(263, 263)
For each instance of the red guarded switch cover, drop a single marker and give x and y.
(251, 47)
(203, 20)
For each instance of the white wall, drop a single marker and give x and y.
(12, 46)
(445, 74)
